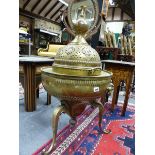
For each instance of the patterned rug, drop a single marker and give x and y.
(86, 139)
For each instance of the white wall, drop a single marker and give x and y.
(115, 27)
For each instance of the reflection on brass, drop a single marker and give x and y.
(93, 27)
(76, 77)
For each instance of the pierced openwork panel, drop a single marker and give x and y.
(78, 54)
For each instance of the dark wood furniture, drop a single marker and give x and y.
(128, 58)
(108, 53)
(30, 77)
(122, 71)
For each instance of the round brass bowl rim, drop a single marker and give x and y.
(46, 70)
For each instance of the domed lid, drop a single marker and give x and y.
(78, 53)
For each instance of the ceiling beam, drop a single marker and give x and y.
(123, 2)
(127, 11)
(33, 16)
(45, 5)
(57, 11)
(113, 13)
(35, 5)
(51, 9)
(125, 5)
(58, 17)
(122, 14)
(62, 11)
(26, 3)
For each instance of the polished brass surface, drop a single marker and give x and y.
(73, 87)
(76, 77)
(56, 114)
(94, 6)
(95, 18)
(99, 104)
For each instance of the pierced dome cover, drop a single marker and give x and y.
(77, 55)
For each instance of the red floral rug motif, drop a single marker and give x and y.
(86, 139)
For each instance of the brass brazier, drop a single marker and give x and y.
(76, 77)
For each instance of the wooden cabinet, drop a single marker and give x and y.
(41, 39)
(107, 53)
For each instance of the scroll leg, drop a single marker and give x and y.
(56, 114)
(126, 97)
(115, 95)
(101, 110)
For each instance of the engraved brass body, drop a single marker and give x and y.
(76, 77)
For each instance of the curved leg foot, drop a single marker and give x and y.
(101, 110)
(56, 114)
